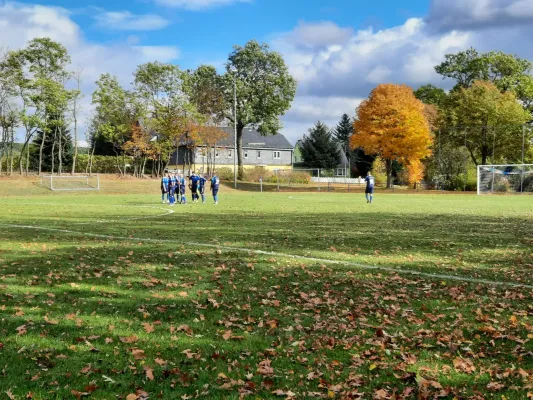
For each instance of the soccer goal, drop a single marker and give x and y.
(513, 178)
(71, 182)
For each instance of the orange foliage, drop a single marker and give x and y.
(416, 171)
(393, 125)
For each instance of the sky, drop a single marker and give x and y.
(337, 50)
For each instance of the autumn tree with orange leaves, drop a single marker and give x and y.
(392, 125)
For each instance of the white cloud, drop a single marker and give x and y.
(479, 14)
(335, 71)
(20, 23)
(159, 53)
(126, 21)
(197, 5)
(306, 110)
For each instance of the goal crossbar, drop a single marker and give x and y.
(71, 182)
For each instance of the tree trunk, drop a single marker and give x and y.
(53, 149)
(27, 159)
(91, 157)
(240, 174)
(24, 146)
(41, 152)
(60, 153)
(12, 140)
(388, 164)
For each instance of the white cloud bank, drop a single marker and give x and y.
(337, 66)
(21, 23)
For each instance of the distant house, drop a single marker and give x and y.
(342, 169)
(270, 152)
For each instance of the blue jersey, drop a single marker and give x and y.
(194, 180)
(369, 182)
(164, 183)
(201, 182)
(215, 182)
(182, 182)
(173, 181)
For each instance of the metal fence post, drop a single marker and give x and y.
(318, 180)
(261, 183)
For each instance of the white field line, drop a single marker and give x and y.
(284, 255)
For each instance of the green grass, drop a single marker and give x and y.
(81, 273)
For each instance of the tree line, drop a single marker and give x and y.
(165, 108)
(436, 135)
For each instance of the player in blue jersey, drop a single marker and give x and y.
(172, 189)
(164, 187)
(193, 179)
(215, 183)
(182, 187)
(369, 191)
(201, 186)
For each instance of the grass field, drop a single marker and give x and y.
(114, 295)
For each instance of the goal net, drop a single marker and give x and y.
(71, 182)
(513, 178)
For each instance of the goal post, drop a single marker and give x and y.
(70, 182)
(505, 179)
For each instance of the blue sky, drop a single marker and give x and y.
(208, 34)
(338, 50)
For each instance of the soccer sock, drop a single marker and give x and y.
(216, 199)
(371, 197)
(203, 198)
(162, 197)
(367, 199)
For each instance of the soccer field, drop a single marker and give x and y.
(304, 295)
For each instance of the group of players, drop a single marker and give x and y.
(173, 187)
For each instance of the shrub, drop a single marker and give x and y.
(254, 174)
(290, 178)
(101, 164)
(224, 173)
(502, 186)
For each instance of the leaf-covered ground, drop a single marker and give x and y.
(113, 297)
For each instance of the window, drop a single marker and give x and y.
(339, 172)
(246, 154)
(258, 154)
(277, 155)
(230, 154)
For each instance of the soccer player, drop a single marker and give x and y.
(193, 179)
(201, 186)
(215, 183)
(164, 187)
(172, 188)
(182, 185)
(369, 191)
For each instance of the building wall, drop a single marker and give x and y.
(251, 158)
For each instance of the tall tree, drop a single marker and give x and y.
(205, 88)
(391, 124)
(319, 148)
(506, 71)
(115, 114)
(265, 90)
(46, 61)
(487, 122)
(56, 144)
(343, 131)
(429, 94)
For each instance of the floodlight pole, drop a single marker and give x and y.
(234, 70)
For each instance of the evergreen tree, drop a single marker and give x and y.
(343, 131)
(319, 149)
(56, 126)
